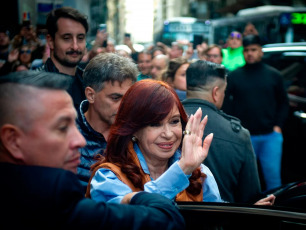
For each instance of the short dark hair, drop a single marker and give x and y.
(38, 79)
(18, 92)
(106, 67)
(251, 40)
(64, 12)
(200, 73)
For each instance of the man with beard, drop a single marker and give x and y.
(66, 38)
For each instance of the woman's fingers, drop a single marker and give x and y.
(195, 124)
(207, 142)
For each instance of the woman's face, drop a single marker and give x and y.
(180, 77)
(159, 141)
(25, 55)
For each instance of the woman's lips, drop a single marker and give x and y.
(167, 145)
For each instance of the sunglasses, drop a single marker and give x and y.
(235, 35)
(25, 51)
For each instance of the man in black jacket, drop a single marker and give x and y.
(231, 158)
(66, 38)
(39, 155)
(256, 95)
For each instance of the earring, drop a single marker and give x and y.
(134, 139)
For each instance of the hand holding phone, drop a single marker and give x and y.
(102, 27)
(127, 35)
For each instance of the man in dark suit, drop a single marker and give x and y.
(231, 157)
(39, 155)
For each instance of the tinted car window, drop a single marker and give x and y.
(290, 60)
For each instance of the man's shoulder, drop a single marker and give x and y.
(38, 178)
(231, 126)
(195, 102)
(217, 117)
(271, 69)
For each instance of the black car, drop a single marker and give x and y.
(290, 60)
(289, 209)
(287, 213)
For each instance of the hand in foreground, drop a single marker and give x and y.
(269, 200)
(127, 198)
(194, 150)
(101, 36)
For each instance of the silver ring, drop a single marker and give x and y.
(186, 132)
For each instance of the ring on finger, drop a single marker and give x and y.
(187, 132)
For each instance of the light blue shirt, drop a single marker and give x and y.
(106, 187)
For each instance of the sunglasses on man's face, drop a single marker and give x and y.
(25, 51)
(235, 35)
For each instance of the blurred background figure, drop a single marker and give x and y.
(25, 56)
(144, 62)
(175, 75)
(4, 45)
(233, 53)
(17, 57)
(160, 48)
(27, 35)
(250, 29)
(200, 48)
(159, 65)
(176, 50)
(110, 45)
(123, 51)
(256, 95)
(213, 53)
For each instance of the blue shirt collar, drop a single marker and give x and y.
(143, 162)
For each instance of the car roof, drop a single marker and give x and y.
(281, 47)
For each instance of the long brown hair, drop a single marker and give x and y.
(146, 102)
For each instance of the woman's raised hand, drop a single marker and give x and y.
(194, 150)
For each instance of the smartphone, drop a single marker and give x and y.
(102, 27)
(197, 40)
(127, 35)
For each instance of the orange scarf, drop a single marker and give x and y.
(182, 196)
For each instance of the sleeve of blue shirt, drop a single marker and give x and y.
(105, 186)
(210, 188)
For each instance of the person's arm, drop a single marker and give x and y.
(105, 185)
(144, 211)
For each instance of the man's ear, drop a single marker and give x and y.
(50, 41)
(90, 94)
(11, 138)
(215, 94)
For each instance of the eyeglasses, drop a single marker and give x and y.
(212, 55)
(235, 35)
(25, 51)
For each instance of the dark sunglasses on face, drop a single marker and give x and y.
(235, 35)
(25, 51)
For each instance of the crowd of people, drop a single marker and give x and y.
(188, 125)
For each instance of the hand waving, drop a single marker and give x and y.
(194, 150)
